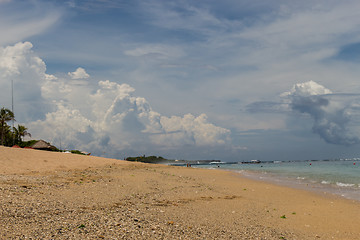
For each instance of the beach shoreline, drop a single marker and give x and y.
(351, 194)
(322, 179)
(66, 196)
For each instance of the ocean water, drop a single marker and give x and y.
(340, 177)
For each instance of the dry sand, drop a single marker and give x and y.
(46, 195)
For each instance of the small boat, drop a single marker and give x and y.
(217, 162)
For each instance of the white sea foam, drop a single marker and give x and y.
(339, 177)
(345, 184)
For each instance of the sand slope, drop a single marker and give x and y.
(19, 160)
(61, 196)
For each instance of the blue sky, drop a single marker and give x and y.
(230, 80)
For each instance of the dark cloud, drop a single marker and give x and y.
(332, 116)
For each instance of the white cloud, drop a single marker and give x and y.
(191, 130)
(123, 121)
(12, 57)
(26, 21)
(21, 65)
(109, 118)
(307, 89)
(318, 24)
(61, 126)
(79, 73)
(185, 16)
(252, 56)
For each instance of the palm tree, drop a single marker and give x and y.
(5, 116)
(8, 136)
(21, 132)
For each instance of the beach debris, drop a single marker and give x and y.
(170, 222)
(231, 197)
(283, 216)
(81, 226)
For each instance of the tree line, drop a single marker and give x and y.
(11, 135)
(149, 159)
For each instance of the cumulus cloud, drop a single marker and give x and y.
(108, 119)
(333, 114)
(190, 129)
(121, 121)
(18, 63)
(307, 89)
(79, 73)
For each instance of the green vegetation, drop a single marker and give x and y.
(15, 136)
(77, 152)
(81, 226)
(150, 159)
(10, 137)
(27, 143)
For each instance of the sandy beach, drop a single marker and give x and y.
(47, 195)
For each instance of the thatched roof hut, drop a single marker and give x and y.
(42, 145)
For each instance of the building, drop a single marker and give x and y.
(42, 145)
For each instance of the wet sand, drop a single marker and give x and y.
(45, 195)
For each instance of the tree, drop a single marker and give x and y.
(8, 135)
(20, 132)
(5, 116)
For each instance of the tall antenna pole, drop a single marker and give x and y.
(12, 107)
